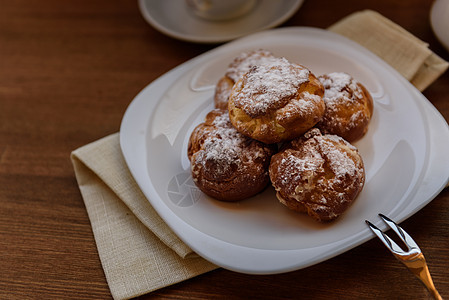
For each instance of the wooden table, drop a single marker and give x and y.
(68, 70)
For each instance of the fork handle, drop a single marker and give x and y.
(418, 266)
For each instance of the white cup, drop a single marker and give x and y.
(220, 10)
(439, 19)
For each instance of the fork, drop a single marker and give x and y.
(413, 258)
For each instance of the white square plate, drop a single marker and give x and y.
(404, 154)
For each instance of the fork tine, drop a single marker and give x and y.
(388, 242)
(403, 235)
(413, 259)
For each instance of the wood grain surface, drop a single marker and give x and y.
(68, 70)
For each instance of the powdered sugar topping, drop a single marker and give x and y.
(268, 86)
(340, 86)
(305, 104)
(316, 154)
(347, 106)
(339, 161)
(225, 144)
(245, 61)
(225, 148)
(300, 167)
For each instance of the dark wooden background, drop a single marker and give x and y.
(68, 70)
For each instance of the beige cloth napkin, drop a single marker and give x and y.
(407, 54)
(138, 252)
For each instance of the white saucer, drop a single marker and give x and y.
(173, 18)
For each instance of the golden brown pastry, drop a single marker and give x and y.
(276, 101)
(225, 164)
(349, 106)
(318, 174)
(239, 66)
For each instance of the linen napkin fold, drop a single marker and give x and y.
(138, 251)
(410, 56)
